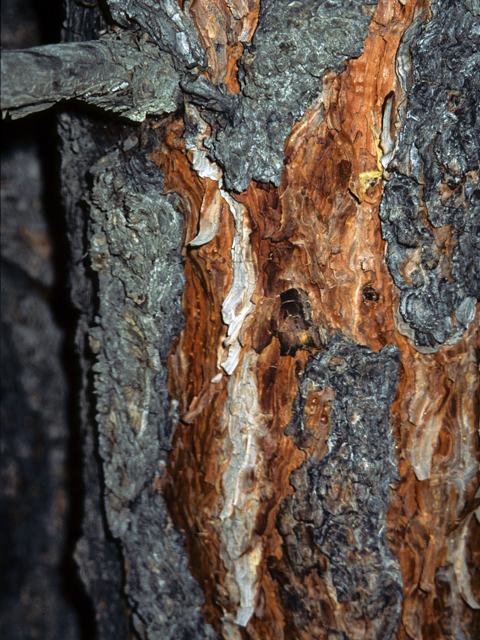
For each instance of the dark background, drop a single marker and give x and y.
(40, 487)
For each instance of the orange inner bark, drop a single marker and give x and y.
(319, 232)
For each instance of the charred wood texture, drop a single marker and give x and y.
(293, 253)
(341, 419)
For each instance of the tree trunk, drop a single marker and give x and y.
(284, 337)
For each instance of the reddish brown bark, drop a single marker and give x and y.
(319, 234)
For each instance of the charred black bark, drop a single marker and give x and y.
(434, 169)
(341, 417)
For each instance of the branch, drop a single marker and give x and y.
(107, 73)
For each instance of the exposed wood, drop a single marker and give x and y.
(318, 261)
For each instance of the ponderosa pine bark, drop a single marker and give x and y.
(284, 331)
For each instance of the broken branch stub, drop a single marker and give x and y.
(106, 73)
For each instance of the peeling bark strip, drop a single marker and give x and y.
(240, 545)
